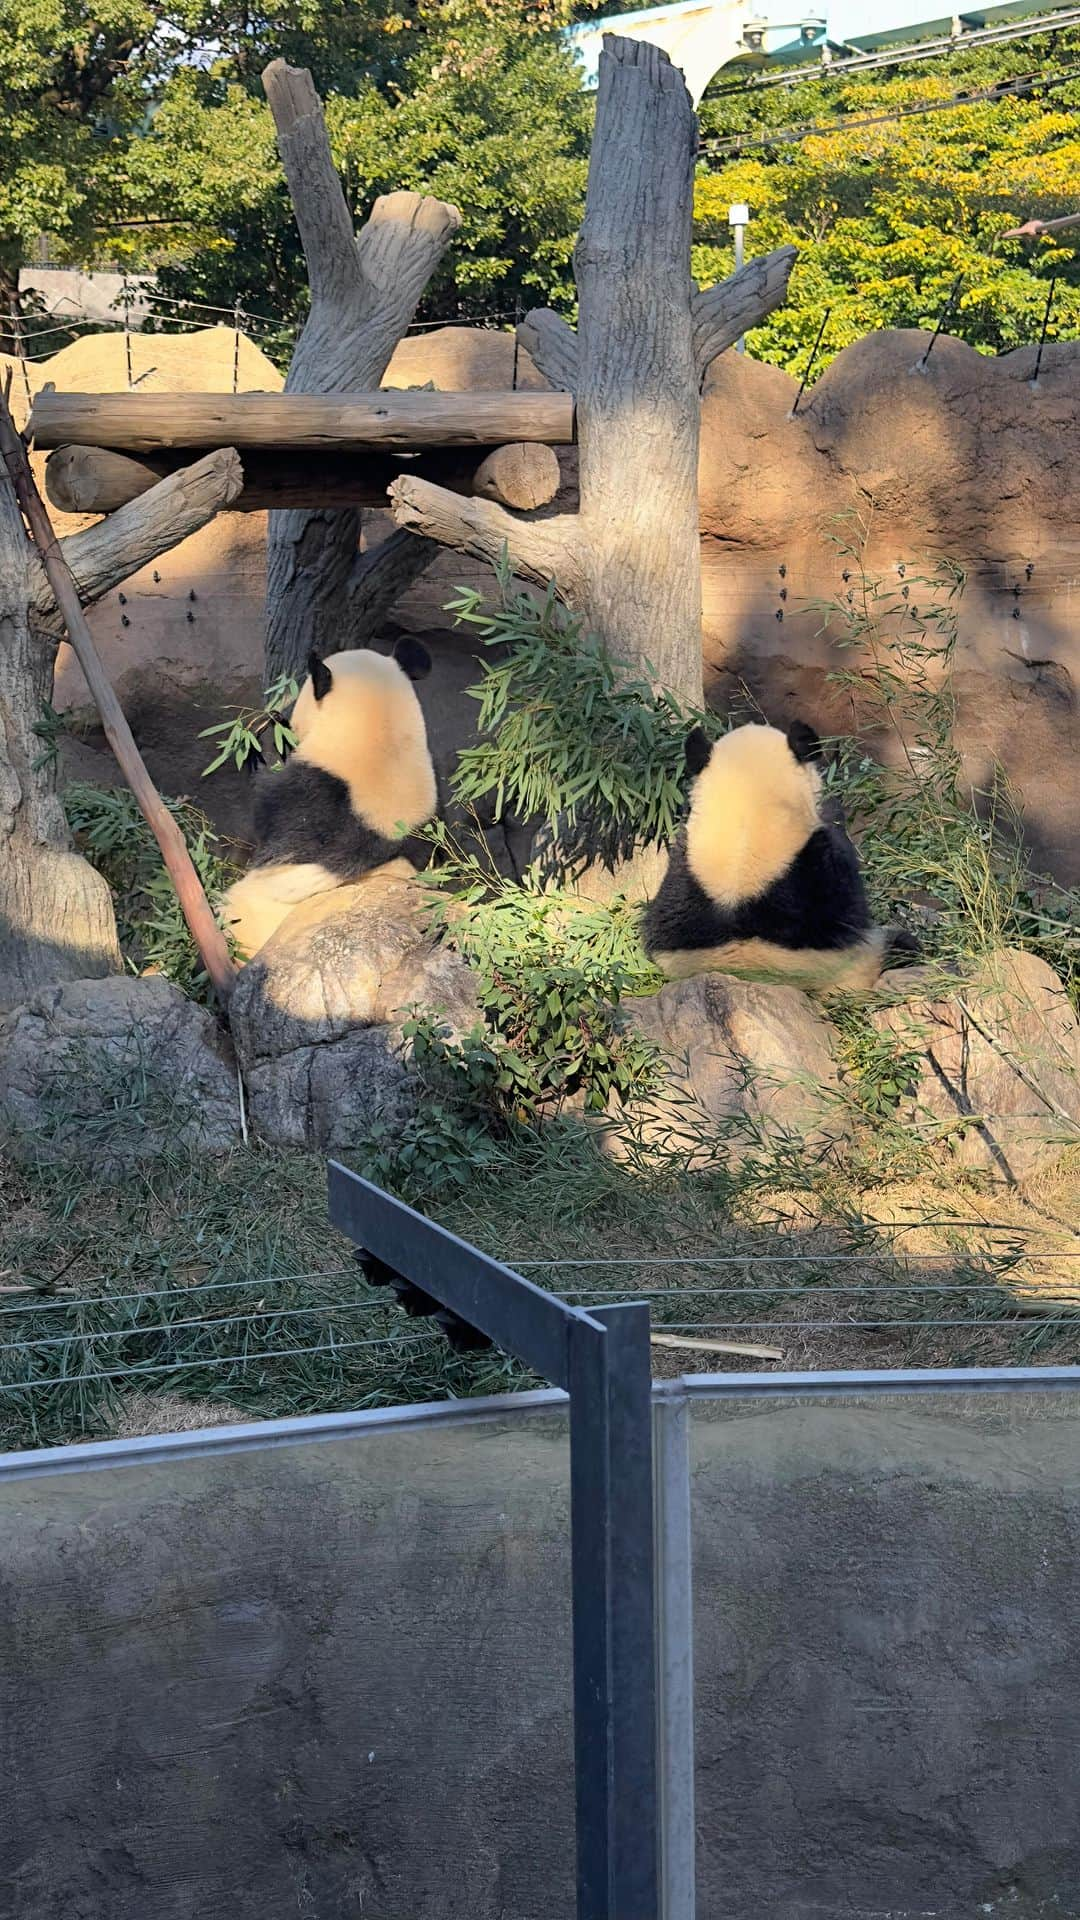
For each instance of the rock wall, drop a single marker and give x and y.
(958, 457)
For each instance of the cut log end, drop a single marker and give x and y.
(525, 476)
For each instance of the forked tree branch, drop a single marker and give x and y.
(722, 313)
(539, 550)
(101, 556)
(552, 346)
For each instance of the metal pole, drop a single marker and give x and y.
(590, 1553)
(127, 329)
(738, 221)
(635, 1822)
(675, 1657)
(810, 363)
(944, 315)
(614, 1617)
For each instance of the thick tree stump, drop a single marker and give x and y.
(56, 913)
(629, 561)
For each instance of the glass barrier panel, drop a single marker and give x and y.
(324, 1678)
(887, 1688)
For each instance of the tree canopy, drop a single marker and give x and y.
(70, 93)
(475, 101)
(141, 130)
(889, 212)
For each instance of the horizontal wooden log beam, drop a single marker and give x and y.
(386, 421)
(99, 479)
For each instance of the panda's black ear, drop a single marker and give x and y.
(803, 741)
(321, 677)
(412, 657)
(698, 750)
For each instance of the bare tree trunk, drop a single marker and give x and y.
(56, 913)
(638, 411)
(364, 292)
(630, 560)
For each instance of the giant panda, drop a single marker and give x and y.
(361, 772)
(759, 883)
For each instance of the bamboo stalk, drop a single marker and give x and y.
(205, 931)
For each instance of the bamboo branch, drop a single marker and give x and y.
(205, 931)
(540, 550)
(721, 314)
(101, 556)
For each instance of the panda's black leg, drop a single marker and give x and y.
(902, 948)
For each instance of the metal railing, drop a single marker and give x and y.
(601, 1358)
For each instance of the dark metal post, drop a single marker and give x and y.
(602, 1358)
(943, 316)
(633, 1629)
(814, 351)
(1042, 336)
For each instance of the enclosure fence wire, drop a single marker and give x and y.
(733, 1304)
(138, 1370)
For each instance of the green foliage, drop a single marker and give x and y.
(245, 734)
(49, 728)
(886, 216)
(475, 101)
(551, 970)
(878, 1068)
(69, 101)
(154, 938)
(565, 737)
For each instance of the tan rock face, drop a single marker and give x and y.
(316, 1016)
(113, 1071)
(959, 457)
(750, 1062)
(1000, 1077)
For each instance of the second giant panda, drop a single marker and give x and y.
(758, 882)
(361, 775)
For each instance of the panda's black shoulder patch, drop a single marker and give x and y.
(303, 814)
(698, 751)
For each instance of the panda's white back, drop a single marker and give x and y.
(369, 731)
(752, 810)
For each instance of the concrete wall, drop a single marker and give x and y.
(332, 1679)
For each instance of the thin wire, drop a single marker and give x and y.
(163, 1293)
(229, 1360)
(176, 1326)
(777, 1259)
(806, 130)
(856, 1326)
(799, 1293)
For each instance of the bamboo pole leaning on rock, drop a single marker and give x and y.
(206, 933)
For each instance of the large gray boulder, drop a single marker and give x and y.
(317, 1014)
(747, 1063)
(107, 1072)
(999, 1076)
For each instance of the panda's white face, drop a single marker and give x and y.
(368, 729)
(753, 807)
